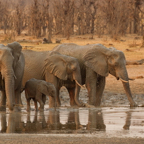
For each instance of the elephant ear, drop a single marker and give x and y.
(96, 59)
(16, 51)
(55, 64)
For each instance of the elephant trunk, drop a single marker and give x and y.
(52, 98)
(9, 88)
(125, 80)
(77, 79)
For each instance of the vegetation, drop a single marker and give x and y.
(44, 18)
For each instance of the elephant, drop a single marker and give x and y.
(96, 62)
(55, 68)
(11, 72)
(37, 90)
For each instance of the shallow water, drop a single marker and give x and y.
(99, 122)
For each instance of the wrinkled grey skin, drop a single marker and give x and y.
(38, 90)
(55, 68)
(96, 62)
(11, 73)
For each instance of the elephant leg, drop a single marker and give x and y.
(54, 80)
(91, 78)
(28, 104)
(58, 98)
(100, 85)
(35, 103)
(38, 97)
(52, 102)
(18, 102)
(71, 94)
(3, 101)
(18, 97)
(44, 98)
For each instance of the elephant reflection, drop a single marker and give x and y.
(127, 121)
(95, 121)
(37, 124)
(53, 123)
(15, 125)
(72, 123)
(13, 122)
(3, 123)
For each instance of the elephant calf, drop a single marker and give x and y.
(37, 90)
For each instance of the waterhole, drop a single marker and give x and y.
(106, 121)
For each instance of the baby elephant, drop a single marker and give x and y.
(37, 90)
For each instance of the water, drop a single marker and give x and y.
(99, 122)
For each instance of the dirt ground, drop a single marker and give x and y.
(43, 139)
(114, 94)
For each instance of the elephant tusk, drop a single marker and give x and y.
(123, 80)
(79, 84)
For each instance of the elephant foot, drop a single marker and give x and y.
(17, 108)
(133, 105)
(21, 105)
(89, 106)
(77, 105)
(57, 105)
(3, 108)
(41, 109)
(126, 127)
(81, 104)
(73, 104)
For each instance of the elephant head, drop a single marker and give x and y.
(65, 67)
(104, 60)
(9, 56)
(48, 89)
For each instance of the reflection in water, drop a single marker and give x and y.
(53, 121)
(96, 121)
(14, 123)
(36, 125)
(128, 121)
(3, 123)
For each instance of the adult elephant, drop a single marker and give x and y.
(11, 73)
(96, 62)
(61, 70)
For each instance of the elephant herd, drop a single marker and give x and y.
(45, 72)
